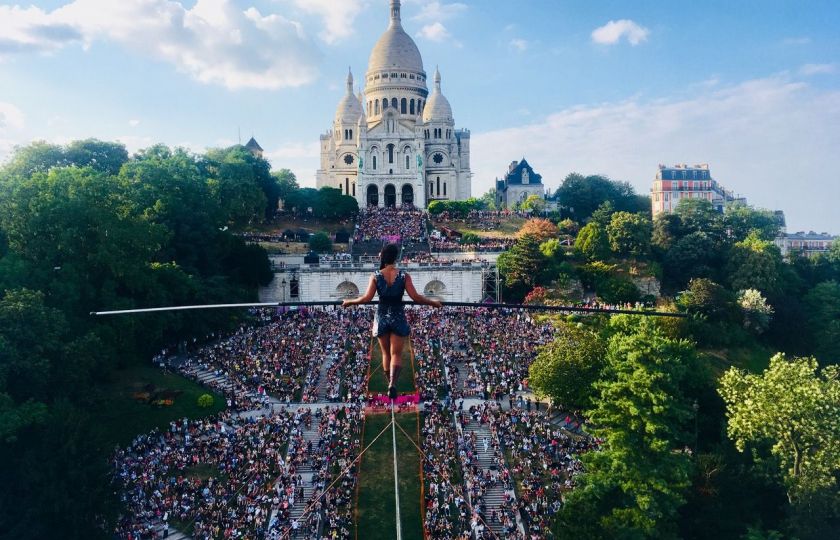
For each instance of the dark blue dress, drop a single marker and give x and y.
(390, 313)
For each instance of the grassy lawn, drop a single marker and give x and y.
(375, 517)
(508, 227)
(377, 379)
(126, 417)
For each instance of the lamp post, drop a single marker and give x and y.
(283, 288)
(696, 407)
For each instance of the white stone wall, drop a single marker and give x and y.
(460, 284)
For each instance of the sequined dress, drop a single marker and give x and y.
(390, 314)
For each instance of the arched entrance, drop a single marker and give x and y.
(372, 195)
(390, 196)
(347, 289)
(407, 195)
(435, 289)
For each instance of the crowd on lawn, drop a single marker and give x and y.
(234, 477)
(485, 220)
(377, 223)
(440, 245)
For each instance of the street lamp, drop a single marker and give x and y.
(283, 288)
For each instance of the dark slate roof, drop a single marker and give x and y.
(252, 144)
(515, 176)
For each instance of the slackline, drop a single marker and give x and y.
(485, 305)
(396, 477)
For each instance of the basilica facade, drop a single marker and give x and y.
(395, 144)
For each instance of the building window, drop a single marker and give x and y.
(411, 106)
(373, 161)
(438, 186)
(390, 153)
(407, 162)
(394, 103)
(384, 104)
(431, 189)
(376, 107)
(444, 189)
(347, 186)
(354, 188)
(404, 106)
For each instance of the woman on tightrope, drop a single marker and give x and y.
(389, 324)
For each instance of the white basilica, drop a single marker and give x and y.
(395, 144)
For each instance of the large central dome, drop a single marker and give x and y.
(395, 49)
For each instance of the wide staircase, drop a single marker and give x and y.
(494, 497)
(306, 472)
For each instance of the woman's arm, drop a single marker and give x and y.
(417, 297)
(365, 298)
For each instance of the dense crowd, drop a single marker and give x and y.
(377, 223)
(485, 220)
(214, 475)
(484, 245)
(235, 477)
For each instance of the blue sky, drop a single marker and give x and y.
(752, 88)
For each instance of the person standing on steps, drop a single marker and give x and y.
(390, 326)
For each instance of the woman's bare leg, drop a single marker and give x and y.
(385, 347)
(397, 343)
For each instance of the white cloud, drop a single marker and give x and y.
(134, 122)
(214, 41)
(439, 11)
(763, 138)
(11, 118)
(612, 32)
(338, 17)
(434, 32)
(817, 69)
(519, 44)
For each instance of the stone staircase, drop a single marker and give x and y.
(211, 379)
(495, 495)
(306, 472)
(323, 384)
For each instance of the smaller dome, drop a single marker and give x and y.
(437, 107)
(349, 109)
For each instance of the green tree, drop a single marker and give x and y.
(522, 266)
(629, 234)
(740, 220)
(707, 298)
(234, 179)
(488, 200)
(695, 255)
(795, 408)
(566, 368)
(102, 156)
(754, 264)
(667, 229)
(582, 195)
(634, 486)
(320, 243)
(592, 242)
(534, 203)
(823, 315)
(331, 204)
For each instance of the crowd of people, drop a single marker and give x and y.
(489, 245)
(484, 220)
(212, 475)
(398, 224)
(240, 476)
